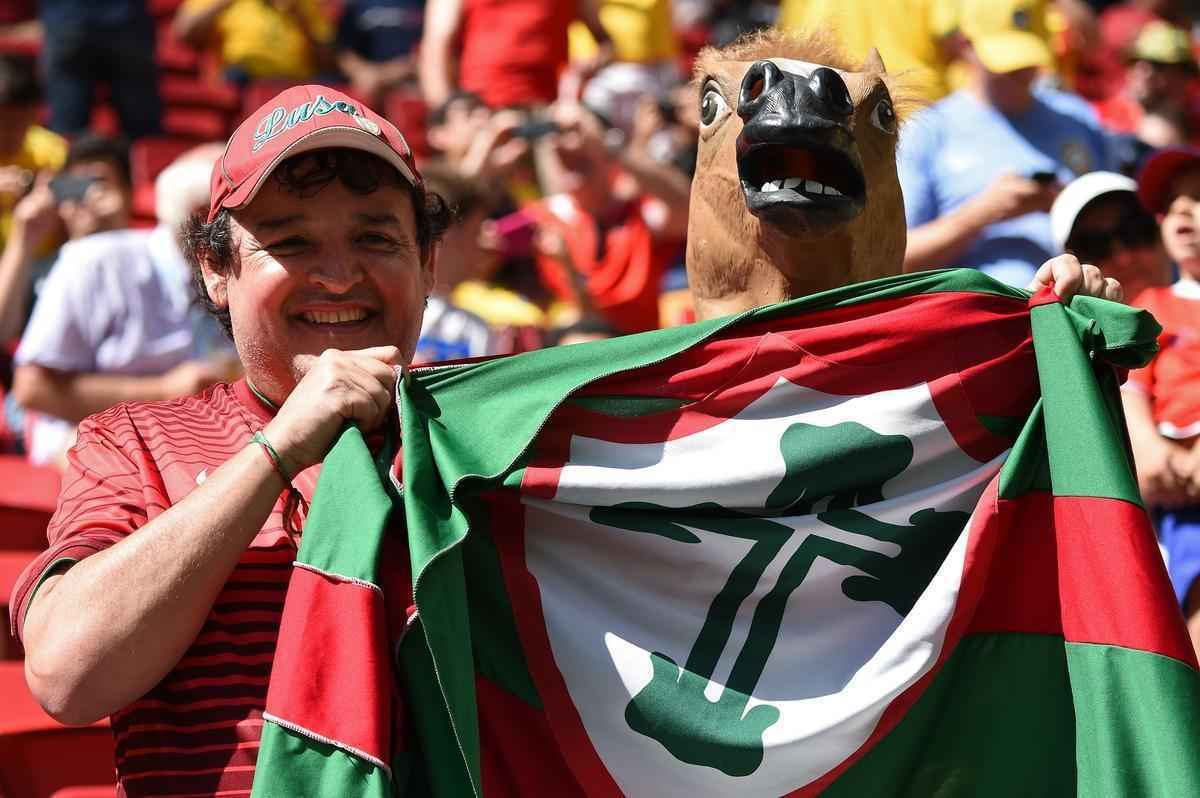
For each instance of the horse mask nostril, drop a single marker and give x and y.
(760, 79)
(829, 87)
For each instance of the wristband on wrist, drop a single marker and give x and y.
(271, 455)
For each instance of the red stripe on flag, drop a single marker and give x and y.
(1113, 585)
(1086, 568)
(566, 725)
(331, 673)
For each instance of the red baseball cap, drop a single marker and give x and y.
(1156, 174)
(300, 119)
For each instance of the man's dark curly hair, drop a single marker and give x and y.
(305, 175)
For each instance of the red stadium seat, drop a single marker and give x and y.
(28, 496)
(202, 124)
(195, 93)
(406, 110)
(163, 9)
(173, 55)
(150, 155)
(38, 756)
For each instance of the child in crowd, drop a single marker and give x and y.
(1162, 400)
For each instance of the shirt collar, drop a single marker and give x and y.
(259, 406)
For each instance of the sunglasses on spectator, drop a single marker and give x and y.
(1133, 232)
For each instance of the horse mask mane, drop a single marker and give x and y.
(796, 188)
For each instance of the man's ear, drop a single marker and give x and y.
(216, 284)
(429, 267)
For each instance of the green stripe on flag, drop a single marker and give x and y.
(1078, 420)
(994, 723)
(362, 504)
(292, 765)
(1127, 709)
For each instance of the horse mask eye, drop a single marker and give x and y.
(712, 104)
(883, 116)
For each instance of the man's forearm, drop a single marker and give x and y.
(436, 75)
(1139, 419)
(100, 635)
(76, 395)
(937, 244)
(666, 183)
(15, 264)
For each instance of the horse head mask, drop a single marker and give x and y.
(796, 188)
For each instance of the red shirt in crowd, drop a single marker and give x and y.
(1172, 378)
(514, 50)
(619, 267)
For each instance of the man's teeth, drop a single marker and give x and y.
(334, 316)
(807, 186)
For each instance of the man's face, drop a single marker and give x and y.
(106, 205)
(1181, 222)
(1010, 92)
(337, 270)
(1155, 85)
(1114, 233)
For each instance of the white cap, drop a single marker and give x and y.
(1077, 194)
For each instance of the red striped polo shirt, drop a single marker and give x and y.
(197, 731)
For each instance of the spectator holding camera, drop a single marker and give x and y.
(612, 221)
(981, 168)
(26, 148)
(92, 194)
(116, 319)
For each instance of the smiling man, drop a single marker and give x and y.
(158, 601)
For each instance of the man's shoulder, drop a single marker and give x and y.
(112, 246)
(212, 410)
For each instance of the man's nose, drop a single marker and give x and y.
(336, 272)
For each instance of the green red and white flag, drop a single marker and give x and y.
(884, 540)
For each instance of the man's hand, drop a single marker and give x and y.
(35, 216)
(14, 181)
(1012, 195)
(1163, 474)
(1068, 277)
(340, 386)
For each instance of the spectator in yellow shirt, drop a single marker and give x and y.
(913, 36)
(260, 39)
(25, 147)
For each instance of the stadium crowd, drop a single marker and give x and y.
(562, 138)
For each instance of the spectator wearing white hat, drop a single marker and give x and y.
(1098, 218)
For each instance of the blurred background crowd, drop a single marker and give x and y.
(563, 135)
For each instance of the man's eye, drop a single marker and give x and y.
(292, 243)
(377, 240)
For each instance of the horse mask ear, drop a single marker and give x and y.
(874, 62)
